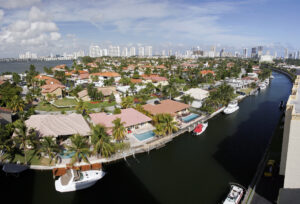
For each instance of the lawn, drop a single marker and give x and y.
(246, 91)
(49, 107)
(66, 102)
(99, 105)
(32, 159)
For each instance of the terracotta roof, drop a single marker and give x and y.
(105, 90)
(82, 93)
(204, 72)
(49, 88)
(154, 77)
(106, 74)
(130, 116)
(165, 106)
(136, 81)
(61, 66)
(48, 80)
(2, 82)
(84, 76)
(92, 64)
(58, 125)
(5, 110)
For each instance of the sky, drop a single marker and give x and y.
(56, 26)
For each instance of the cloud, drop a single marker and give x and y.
(34, 32)
(1, 15)
(12, 4)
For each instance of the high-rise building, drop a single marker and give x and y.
(286, 53)
(114, 51)
(132, 51)
(95, 51)
(253, 53)
(245, 53)
(141, 51)
(170, 53)
(259, 51)
(148, 51)
(275, 55)
(125, 52)
(163, 53)
(222, 52)
(104, 52)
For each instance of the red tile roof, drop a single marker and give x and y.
(136, 81)
(204, 72)
(49, 88)
(106, 74)
(48, 80)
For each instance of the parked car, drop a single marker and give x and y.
(269, 169)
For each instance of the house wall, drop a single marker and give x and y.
(57, 92)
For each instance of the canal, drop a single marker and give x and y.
(190, 169)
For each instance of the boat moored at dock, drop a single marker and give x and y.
(235, 195)
(232, 107)
(199, 129)
(75, 180)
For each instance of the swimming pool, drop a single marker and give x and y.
(66, 155)
(145, 135)
(190, 117)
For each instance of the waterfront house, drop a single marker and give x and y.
(133, 120)
(61, 68)
(198, 94)
(174, 108)
(47, 79)
(59, 126)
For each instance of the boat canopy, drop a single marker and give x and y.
(198, 128)
(65, 179)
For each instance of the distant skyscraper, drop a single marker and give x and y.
(259, 51)
(125, 52)
(132, 51)
(245, 53)
(148, 51)
(163, 53)
(170, 53)
(286, 53)
(222, 52)
(141, 51)
(275, 55)
(114, 51)
(253, 52)
(95, 51)
(104, 52)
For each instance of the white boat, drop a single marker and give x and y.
(235, 195)
(199, 129)
(267, 82)
(76, 180)
(272, 77)
(262, 86)
(232, 107)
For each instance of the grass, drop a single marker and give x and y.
(32, 158)
(65, 102)
(49, 108)
(99, 105)
(246, 91)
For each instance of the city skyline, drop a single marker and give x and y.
(52, 26)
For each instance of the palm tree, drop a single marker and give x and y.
(101, 141)
(132, 88)
(81, 106)
(187, 99)
(49, 148)
(119, 131)
(160, 130)
(24, 137)
(16, 104)
(127, 102)
(80, 148)
(165, 123)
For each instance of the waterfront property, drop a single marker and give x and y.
(198, 94)
(290, 160)
(59, 126)
(53, 90)
(134, 121)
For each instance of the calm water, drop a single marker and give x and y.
(190, 169)
(21, 67)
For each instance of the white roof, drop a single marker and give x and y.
(197, 93)
(58, 125)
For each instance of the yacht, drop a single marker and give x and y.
(199, 129)
(267, 82)
(262, 86)
(272, 77)
(76, 180)
(232, 107)
(235, 195)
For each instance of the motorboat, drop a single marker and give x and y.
(235, 195)
(262, 86)
(14, 168)
(267, 82)
(232, 107)
(75, 180)
(272, 77)
(199, 129)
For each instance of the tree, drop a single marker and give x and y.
(127, 102)
(132, 88)
(119, 131)
(136, 74)
(112, 98)
(49, 148)
(117, 111)
(148, 71)
(81, 106)
(16, 78)
(164, 124)
(187, 99)
(24, 138)
(80, 148)
(16, 104)
(101, 142)
(48, 70)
